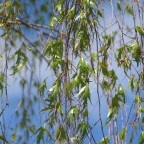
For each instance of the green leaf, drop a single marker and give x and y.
(121, 90)
(17, 7)
(105, 141)
(122, 134)
(43, 87)
(94, 56)
(129, 10)
(118, 6)
(142, 121)
(52, 88)
(2, 79)
(54, 49)
(1, 87)
(82, 89)
(43, 8)
(73, 111)
(59, 7)
(112, 113)
(131, 138)
(61, 134)
(71, 13)
(104, 68)
(105, 85)
(115, 101)
(2, 137)
(141, 138)
(20, 61)
(103, 49)
(137, 99)
(8, 6)
(53, 21)
(1, 25)
(141, 110)
(99, 13)
(17, 4)
(73, 139)
(13, 136)
(1, 57)
(83, 128)
(136, 52)
(140, 30)
(49, 107)
(41, 132)
(86, 95)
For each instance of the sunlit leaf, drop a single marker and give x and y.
(8, 5)
(1, 25)
(121, 90)
(13, 136)
(140, 30)
(136, 52)
(141, 138)
(105, 141)
(73, 111)
(1, 57)
(2, 79)
(122, 134)
(104, 68)
(82, 90)
(53, 21)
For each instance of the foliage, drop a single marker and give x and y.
(72, 60)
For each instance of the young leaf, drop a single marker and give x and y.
(82, 90)
(140, 30)
(129, 10)
(121, 91)
(53, 21)
(105, 141)
(73, 111)
(122, 134)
